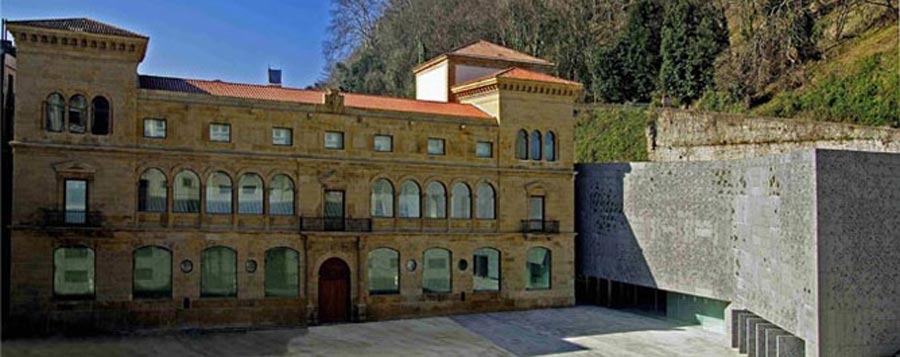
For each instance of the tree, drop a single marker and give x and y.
(629, 71)
(694, 32)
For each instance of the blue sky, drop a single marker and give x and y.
(229, 40)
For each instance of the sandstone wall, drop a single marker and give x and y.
(697, 136)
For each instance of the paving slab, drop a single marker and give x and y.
(577, 331)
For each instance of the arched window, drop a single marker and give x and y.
(460, 201)
(250, 194)
(100, 116)
(281, 196)
(186, 192)
(218, 272)
(218, 193)
(73, 272)
(486, 270)
(77, 114)
(54, 110)
(436, 271)
(537, 269)
(535, 145)
(152, 191)
(484, 202)
(282, 272)
(409, 200)
(152, 273)
(435, 200)
(384, 271)
(550, 146)
(522, 145)
(382, 198)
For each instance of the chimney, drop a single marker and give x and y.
(274, 77)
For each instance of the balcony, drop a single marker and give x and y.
(539, 226)
(62, 218)
(327, 224)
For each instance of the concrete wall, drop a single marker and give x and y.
(859, 253)
(807, 241)
(697, 136)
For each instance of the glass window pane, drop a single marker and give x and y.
(334, 140)
(73, 272)
(461, 201)
(536, 208)
(54, 112)
(250, 195)
(522, 145)
(76, 201)
(154, 128)
(218, 276)
(152, 191)
(384, 143)
(537, 268)
(550, 146)
(536, 145)
(409, 200)
(484, 207)
(281, 196)
(384, 271)
(382, 199)
(218, 193)
(435, 201)
(100, 116)
(282, 136)
(186, 193)
(152, 272)
(77, 114)
(486, 270)
(282, 272)
(435, 146)
(484, 149)
(436, 271)
(220, 132)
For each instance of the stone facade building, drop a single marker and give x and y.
(145, 202)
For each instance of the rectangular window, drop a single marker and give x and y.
(73, 272)
(154, 128)
(220, 132)
(484, 149)
(435, 146)
(282, 136)
(334, 140)
(384, 143)
(536, 213)
(76, 201)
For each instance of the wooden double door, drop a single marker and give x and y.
(334, 291)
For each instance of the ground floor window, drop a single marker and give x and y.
(152, 273)
(537, 269)
(218, 275)
(486, 270)
(384, 271)
(73, 272)
(436, 271)
(282, 272)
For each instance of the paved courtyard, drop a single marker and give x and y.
(577, 331)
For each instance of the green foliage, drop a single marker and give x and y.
(628, 71)
(868, 93)
(693, 34)
(612, 133)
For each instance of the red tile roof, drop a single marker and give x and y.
(520, 73)
(485, 49)
(283, 94)
(78, 25)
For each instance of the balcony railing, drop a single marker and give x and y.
(539, 226)
(64, 218)
(327, 224)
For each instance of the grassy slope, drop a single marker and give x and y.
(857, 81)
(611, 133)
